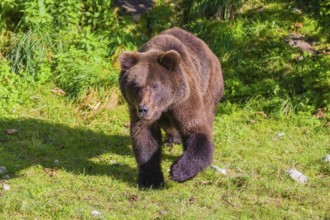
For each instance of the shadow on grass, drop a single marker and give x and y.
(74, 150)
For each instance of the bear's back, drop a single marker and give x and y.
(199, 53)
(197, 49)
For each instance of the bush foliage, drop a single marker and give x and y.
(74, 45)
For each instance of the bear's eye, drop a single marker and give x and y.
(155, 86)
(134, 87)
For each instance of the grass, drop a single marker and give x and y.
(63, 165)
(72, 153)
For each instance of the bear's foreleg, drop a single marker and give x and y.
(198, 153)
(147, 150)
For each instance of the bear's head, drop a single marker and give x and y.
(151, 81)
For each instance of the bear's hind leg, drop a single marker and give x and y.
(172, 136)
(197, 156)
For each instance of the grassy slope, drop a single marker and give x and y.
(96, 169)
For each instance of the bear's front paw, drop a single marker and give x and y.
(183, 170)
(151, 181)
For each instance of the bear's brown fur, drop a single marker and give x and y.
(173, 82)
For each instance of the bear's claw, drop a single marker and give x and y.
(151, 182)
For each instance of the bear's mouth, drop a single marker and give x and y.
(149, 115)
(145, 116)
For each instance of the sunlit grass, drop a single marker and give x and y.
(63, 166)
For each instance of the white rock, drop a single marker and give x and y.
(112, 162)
(220, 170)
(3, 169)
(296, 11)
(326, 158)
(279, 135)
(56, 161)
(297, 176)
(96, 213)
(6, 187)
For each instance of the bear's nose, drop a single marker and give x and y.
(143, 109)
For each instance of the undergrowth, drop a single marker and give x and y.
(74, 45)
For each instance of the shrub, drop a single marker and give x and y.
(14, 88)
(28, 50)
(75, 42)
(77, 71)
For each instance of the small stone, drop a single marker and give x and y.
(3, 169)
(6, 177)
(326, 158)
(297, 176)
(11, 131)
(96, 213)
(296, 11)
(163, 212)
(112, 162)
(220, 170)
(6, 187)
(56, 161)
(279, 135)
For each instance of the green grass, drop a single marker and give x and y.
(97, 171)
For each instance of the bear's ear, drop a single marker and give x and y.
(128, 59)
(170, 59)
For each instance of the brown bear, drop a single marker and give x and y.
(173, 82)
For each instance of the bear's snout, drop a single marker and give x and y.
(143, 110)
